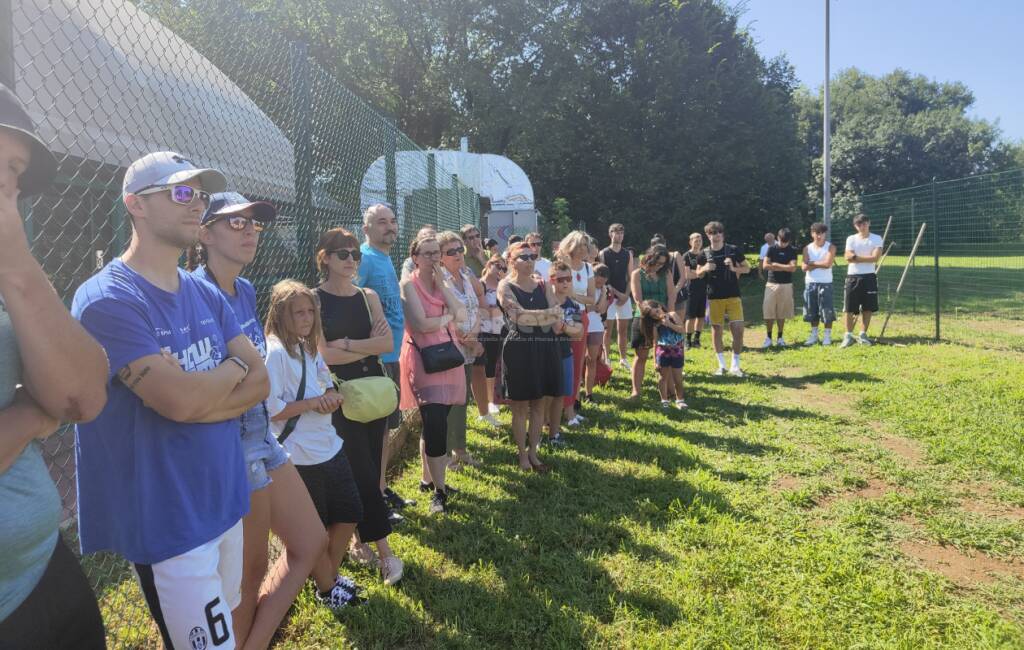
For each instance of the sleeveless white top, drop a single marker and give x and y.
(815, 254)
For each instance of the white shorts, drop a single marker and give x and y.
(621, 312)
(191, 595)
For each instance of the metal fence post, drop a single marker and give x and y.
(6, 44)
(935, 254)
(302, 140)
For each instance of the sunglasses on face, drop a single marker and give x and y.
(180, 194)
(714, 232)
(344, 253)
(527, 257)
(436, 253)
(501, 269)
(452, 252)
(238, 222)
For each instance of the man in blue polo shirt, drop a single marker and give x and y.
(377, 272)
(161, 475)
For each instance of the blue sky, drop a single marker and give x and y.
(980, 43)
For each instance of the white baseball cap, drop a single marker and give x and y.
(165, 168)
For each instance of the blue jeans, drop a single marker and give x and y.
(818, 303)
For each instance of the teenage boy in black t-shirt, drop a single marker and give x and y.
(779, 264)
(723, 264)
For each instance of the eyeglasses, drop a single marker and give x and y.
(563, 278)
(238, 222)
(452, 252)
(181, 194)
(527, 257)
(344, 253)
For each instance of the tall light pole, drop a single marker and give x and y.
(827, 128)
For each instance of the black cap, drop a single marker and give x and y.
(43, 166)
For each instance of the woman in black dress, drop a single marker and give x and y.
(355, 332)
(530, 357)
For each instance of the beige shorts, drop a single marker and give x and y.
(778, 301)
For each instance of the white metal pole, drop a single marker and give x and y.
(827, 128)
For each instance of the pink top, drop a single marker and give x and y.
(418, 386)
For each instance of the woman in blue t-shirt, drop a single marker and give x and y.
(279, 500)
(47, 374)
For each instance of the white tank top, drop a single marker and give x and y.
(815, 254)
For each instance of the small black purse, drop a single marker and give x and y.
(440, 356)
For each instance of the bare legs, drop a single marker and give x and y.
(284, 507)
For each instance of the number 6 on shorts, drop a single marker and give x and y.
(191, 595)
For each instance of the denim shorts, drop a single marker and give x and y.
(818, 302)
(263, 453)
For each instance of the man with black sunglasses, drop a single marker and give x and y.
(161, 472)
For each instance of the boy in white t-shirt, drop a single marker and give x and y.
(861, 291)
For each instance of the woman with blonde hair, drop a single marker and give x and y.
(467, 288)
(574, 250)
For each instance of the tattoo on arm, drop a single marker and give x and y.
(126, 377)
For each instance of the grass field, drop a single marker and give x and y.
(861, 498)
(868, 498)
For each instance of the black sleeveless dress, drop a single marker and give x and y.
(349, 317)
(531, 358)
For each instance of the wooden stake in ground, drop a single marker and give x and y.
(878, 267)
(913, 251)
(885, 235)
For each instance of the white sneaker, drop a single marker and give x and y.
(720, 371)
(767, 343)
(812, 339)
(781, 342)
(491, 420)
(665, 403)
(494, 409)
(828, 339)
(680, 404)
(847, 340)
(863, 339)
(391, 569)
(736, 372)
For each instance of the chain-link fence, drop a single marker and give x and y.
(969, 269)
(107, 82)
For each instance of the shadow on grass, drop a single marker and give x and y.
(545, 546)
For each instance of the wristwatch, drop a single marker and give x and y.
(241, 364)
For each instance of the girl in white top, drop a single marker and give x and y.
(293, 333)
(574, 250)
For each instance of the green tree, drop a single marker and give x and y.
(894, 131)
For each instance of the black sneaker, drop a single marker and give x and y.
(429, 487)
(557, 441)
(394, 518)
(438, 501)
(395, 501)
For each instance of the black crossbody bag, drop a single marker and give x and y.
(289, 426)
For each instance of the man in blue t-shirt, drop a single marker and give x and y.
(377, 272)
(161, 475)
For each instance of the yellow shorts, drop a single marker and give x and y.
(723, 308)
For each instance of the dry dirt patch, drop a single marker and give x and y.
(963, 569)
